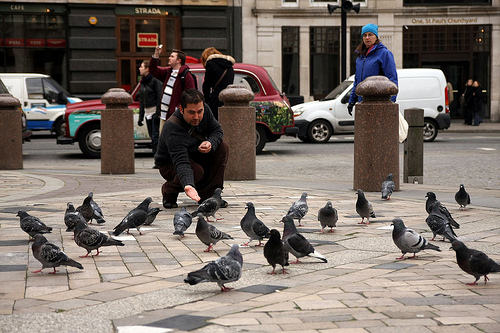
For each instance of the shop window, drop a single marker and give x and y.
(324, 60)
(290, 60)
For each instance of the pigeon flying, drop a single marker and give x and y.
(364, 208)
(152, 213)
(429, 204)
(50, 255)
(182, 221)
(223, 270)
(208, 234)
(210, 206)
(86, 209)
(252, 226)
(97, 213)
(32, 225)
(439, 224)
(134, 219)
(275, 253)
(92, 239)
(462, 197)
(474, 262)
(72, 217)
(408, 240)
(299, 208)
(328, 216)
(297, 244)
(388, 187)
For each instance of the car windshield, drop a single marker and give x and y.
(337, 91)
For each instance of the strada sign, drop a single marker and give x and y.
(147, 39)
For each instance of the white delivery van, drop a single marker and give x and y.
(423, 88)
(42, 99)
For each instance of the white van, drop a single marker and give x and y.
(42, 99)
(423, 88)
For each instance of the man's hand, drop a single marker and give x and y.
(350, 107)
(192, 193)
(140, 123)
(205, 147)
(157, 52)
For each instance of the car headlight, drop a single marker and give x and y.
(297, 111)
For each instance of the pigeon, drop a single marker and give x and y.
(86, 209)
(299, 208)
(50, 255)
(388, 187)
(208, 234)
(328, 216)
(462, 197)
(252, 226)
(152, 213)
(32, 225)
(182, 221)
(407, 240)
(439, 224)
(431, 199)
(364, 208)
(72, 217)
(275, 253)
(134, 219)
(223, 270)
(474, 262)
(92, 239)
(210, 206)
(97, 212)
(297, 244)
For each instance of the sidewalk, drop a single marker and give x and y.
(362, 288)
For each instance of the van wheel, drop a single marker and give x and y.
(59, 127)
(89, 141)
(430, 130)
(319, 131)
(260, 139)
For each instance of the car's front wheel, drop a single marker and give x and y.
(319, 131)
(430, 130)
(59, 126)
(89, 140)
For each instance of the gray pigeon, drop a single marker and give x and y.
(210, 206)
(474, 262)
(462, 197)
(408, 240)
(182, 221)
(97, 212)
(92, 239)
(32, 225)
(252, 226)
(439, 224)
(208, 234)
(50, 255)
(223, 270)
(364, 208)
(134, 219)
(328, 216)
(299, 208)
(388, 187)
(429, 204)
(297, 244)
(72, 217)
(274, 251)
(152, 213)
(86, 209)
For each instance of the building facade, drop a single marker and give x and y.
(299, 42)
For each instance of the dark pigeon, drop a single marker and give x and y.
(72, 217)
(32, 225)
(152, 213)
(252, 226)
(474, 262)
(50, 255)
(431, 200)
(299, 208)
(134, 219)
(86, 209)
(409, 241)
(439, 224)
(223, 270)
(208, 234)
(297, 244)
(462, 197)
(97, 211)
(92, 239)
(275, 253)
(364, 208)
(182, 221)
(328, 216)
(210, 206)
(388, 187)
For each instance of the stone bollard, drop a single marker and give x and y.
(117, 133)
(237, 119)
(11, 133)
(376, 134)
(413, 166)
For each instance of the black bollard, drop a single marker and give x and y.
(413, 166)
(11, 133)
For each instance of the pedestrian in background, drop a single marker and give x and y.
(219, 73)
(373, 59)
(477, 104)
(468, 102)
(150, 95)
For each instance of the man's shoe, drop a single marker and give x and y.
(170, 205)
(224, 204)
